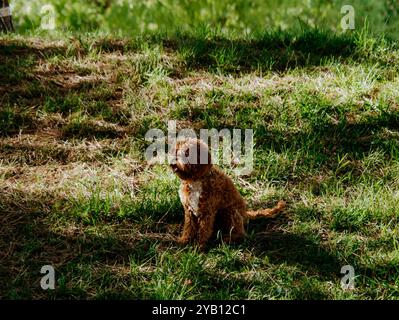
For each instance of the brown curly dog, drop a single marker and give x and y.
(209, 196)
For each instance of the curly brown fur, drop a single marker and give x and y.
(208, 194)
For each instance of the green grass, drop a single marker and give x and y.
(238, 17)
(75, 191)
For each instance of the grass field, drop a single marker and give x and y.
(129, 17)
(76, 193)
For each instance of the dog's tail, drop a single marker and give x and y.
(266, 213)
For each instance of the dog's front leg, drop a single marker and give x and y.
(206, 222)
(188, 229)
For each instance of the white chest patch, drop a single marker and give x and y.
(192, 199)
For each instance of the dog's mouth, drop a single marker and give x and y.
(179, 171)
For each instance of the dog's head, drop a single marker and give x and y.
(190, 159)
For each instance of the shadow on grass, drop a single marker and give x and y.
(90, 263)
(299, 250)
(25, 91)
(324, 144)
(27, 243)
(276, 51)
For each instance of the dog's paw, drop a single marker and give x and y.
(233, 239)
(182, 241)
(202, 247)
